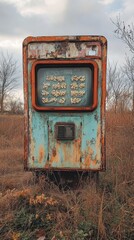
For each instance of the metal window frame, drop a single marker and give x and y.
(65, 63)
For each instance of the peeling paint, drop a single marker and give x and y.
(63, 50)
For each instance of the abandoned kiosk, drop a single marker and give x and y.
(65, 89)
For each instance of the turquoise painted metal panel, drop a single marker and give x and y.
(64, 122)
(65, 154)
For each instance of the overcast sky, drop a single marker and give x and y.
(22, 18)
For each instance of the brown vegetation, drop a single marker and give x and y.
(29, 210)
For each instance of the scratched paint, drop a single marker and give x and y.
(42, 150)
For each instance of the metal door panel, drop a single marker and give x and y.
(65, 154)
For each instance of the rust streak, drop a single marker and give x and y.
(54, 152)
(98, 142)
(88, 157)
(55, 155)
(41, 154)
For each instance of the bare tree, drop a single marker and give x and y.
(117, 89)
(128, 70)
(15, 106)
(113, 86)
(125, 32)
(8, 77)
(124, 101)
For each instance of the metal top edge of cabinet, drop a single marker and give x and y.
(76, 38)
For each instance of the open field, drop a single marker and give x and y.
(30, 211)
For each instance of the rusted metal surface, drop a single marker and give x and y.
(43, 151)
(26, 138)
(64, 50)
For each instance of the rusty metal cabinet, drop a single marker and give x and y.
(65, 89)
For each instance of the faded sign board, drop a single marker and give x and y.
(65, 89)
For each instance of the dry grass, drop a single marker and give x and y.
(11, 153)
(81, 214)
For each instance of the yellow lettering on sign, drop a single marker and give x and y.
(54, 90)
(53, 100)
(78, 78)
(46, 85)
(74, 85)
(82, 85)
(75, 100)
(55, 78)
(59, 86)
(61, 100)
(44, 93)
(57, 93)
(75, 93)
(49, 100)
